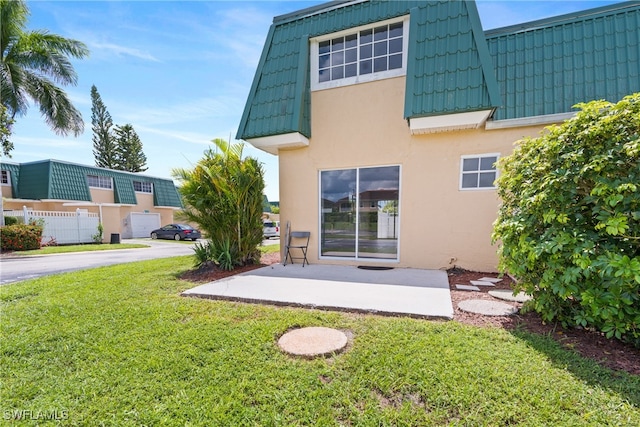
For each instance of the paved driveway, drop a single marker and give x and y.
(17, 268)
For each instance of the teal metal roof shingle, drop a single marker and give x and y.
(56, 180)
(14, 176)
(547, 66)
(449, 69)
(279, 98)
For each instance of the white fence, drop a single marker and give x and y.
(62, 227)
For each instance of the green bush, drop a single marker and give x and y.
(21, 237)
(10, 220)
(569, 225)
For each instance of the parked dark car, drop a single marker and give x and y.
(176, 232)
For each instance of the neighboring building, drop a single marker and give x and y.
(388, 117)
(120, 198)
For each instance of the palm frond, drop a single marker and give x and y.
(56, 108)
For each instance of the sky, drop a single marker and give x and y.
(180, 71)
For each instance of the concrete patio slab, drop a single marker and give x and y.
(400, 291)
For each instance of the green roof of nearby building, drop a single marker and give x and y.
(537, 68)
(547, 66)
(445, 35)
(56, 180)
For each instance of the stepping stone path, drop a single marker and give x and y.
(487, 308)
(467, 288)
(313, 341)
(490, 308)
(485, 281)
(482, 283)
(507, 295)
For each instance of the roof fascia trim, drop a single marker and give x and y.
(449, 122)
(546, 119)
(410, 74)
(49, 180)
(301, 83)
(485, 57)
(272, 144)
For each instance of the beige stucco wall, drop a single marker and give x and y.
(363, 125)
(6, 190)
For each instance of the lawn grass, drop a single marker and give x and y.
(118, 346)
(269, 249)
(50, 250)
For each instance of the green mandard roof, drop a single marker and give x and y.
(56, 180)
(448, 60)
(537, 68)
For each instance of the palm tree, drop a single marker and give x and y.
(32, 65)
(223, 194)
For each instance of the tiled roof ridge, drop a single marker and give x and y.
(561, 19)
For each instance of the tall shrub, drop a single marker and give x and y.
(223, 194)
(20, 237)
(569, 224)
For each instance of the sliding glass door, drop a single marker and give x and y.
(359, 212)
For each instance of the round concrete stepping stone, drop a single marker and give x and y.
(487, 308)
(507, 295)
(313, 341)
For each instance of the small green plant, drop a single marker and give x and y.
(202, 254)
(225, 254)
(98, 236)
(10, 220)
(38, 222)
(222, 253)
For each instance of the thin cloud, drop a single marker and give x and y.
(191, 137)
(122, 51)
(208, 108)
(47, 142)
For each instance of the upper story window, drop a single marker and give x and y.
(143, 186)
(360, 54)
(478, 171)
(97, 181)
(5, 178)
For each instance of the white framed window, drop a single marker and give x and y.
(360, 54)
(143, 186)
(478, 171)
(97, 181)
(5, 178)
